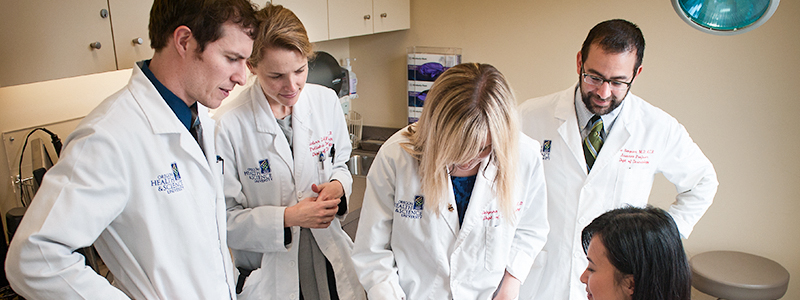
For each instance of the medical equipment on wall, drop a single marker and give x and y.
(425, 64)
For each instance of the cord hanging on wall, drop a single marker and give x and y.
(36, 173)
(725, 17)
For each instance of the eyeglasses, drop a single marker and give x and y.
(597, 81)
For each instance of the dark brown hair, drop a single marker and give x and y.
(203, 17)
(616, 36)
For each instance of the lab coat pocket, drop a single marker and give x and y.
(496, 247)
(324, 170)
(633, 185)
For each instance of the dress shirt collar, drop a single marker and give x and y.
(181, 110)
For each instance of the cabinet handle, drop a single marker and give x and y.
(138, 41)
(95, 45)
(104, 13)
(366, 17)
(383, 15)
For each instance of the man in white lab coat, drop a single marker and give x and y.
(602, 147)
(139, 177)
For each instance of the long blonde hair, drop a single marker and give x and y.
(466, 103)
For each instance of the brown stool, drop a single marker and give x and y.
(735, 275)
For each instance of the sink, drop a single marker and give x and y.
(359, 164)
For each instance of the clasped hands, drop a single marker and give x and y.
(316, 212)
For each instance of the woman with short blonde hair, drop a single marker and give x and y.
(284, 145)
(279, 27)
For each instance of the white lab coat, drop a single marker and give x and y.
(132, 178)
(406, 252)
(644, 141)
(262, 178)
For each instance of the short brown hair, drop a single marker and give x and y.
(279, 27)
(615, 36)
(203, 17)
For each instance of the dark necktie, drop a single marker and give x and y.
(593, 142)
(197, 129)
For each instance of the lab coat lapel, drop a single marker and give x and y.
(616, 138)
(450, 218)
(480, 201)
(208, 134)
(305, 169)
(569, 131)
(266, 123)
(163, 121)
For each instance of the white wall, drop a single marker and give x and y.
(736, 95)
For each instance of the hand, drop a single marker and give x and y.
(509, 288)
(328, 191)
(311, 213)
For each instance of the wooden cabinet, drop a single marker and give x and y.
(335, 19)
(313, 14)
(45, 40)
(129, 21)
(348, 18)
(391, 15)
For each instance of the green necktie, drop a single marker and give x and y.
(594, 141)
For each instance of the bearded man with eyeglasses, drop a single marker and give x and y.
(602, 147)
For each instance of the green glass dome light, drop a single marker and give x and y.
(725, 17)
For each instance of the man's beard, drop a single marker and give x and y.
(587, 100)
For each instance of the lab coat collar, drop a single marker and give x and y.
(265, 119)
(482, 196)
(568, 130)
(181, 110)
(616, 139)
(163, 121)
(266, 123)
(584, 115)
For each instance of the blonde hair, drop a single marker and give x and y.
(466, 103)
(279, 27)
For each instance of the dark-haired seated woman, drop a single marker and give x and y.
(635, 253)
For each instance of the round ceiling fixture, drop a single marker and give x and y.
(725, 17)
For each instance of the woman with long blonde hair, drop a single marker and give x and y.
(453, 209)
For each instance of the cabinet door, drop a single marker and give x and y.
(45, 40)
(348, 18)
(391, 15)
(313, 14)
(129, 20)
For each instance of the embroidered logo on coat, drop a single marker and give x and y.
(546, 149)
(263, 173)
(410, 209)
(264, 164)
(169, 182)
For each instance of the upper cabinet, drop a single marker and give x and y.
(129, 21)
(391, 15)
(313, 14)
(348, 18)
(46, 40)
(335, 19)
